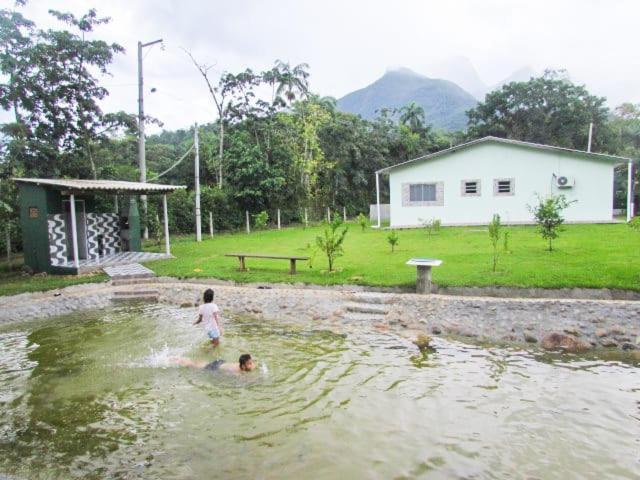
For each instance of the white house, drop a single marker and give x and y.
(469, 183)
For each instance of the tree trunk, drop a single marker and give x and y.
(220, 153)
(8, 241)
(94, 171)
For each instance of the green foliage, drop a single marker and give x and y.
(331, 240)
(260, 220)
(392, 239)
(431, 226)
(495, 231)
(362, 220)
(505, 242)
(635, 223)
(548, 216)
(49, 84)
(549, 110)
(413, 116)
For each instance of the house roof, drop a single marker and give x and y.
(601, 156)
(114, 186)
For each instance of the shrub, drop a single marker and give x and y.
(392, 238)
(331, 240)
(431, 226)
(362, 220)
(635, 223)
(548, 215)
(494, 236)
(505, 243)
(260, 220)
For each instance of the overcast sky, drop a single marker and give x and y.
(349, 44)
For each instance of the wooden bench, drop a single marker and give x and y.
(242, 256)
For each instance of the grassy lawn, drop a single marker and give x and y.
(13, 281)
(593, 256)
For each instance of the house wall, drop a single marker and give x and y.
(532, 171)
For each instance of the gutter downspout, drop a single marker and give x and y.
(630, 191)
(378, 196)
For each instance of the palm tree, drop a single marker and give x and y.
(291, 81)
(326, 102)
(412, 115)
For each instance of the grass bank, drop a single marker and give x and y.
(13, 281)
(588, 256)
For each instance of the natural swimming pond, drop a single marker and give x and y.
(92, 395)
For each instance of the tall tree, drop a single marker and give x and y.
(293, 82)
(412, 115)
(549, 109)
(50, 85)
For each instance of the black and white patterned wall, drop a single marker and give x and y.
(110, 224)
(93, 232)
(57, 239)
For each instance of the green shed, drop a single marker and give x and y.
(63, 233)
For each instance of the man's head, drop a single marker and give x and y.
(208, 296)
(246, 362)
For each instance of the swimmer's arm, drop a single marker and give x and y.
(199, 319)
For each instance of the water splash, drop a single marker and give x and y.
(160, 358)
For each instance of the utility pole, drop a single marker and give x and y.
(197, 181)
(142, 162)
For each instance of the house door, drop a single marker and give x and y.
(81, 222)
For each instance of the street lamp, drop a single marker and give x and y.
(142, 162)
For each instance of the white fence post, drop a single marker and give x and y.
(211, 224)
(306, 218)
(278, 219)
(344, 214)
(247, 217)
(328, 215)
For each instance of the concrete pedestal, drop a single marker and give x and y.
(423, 278)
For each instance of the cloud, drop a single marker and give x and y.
(349, 44)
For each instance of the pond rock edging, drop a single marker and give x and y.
(572, 324)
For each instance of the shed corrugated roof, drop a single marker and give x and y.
(101, 185)
(462, 146)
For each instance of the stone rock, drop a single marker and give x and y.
(572, 331)
(608, 343)
(601, 332)
(561, 341)
(422, 341)
(617, 330)
(436, 330)
(530, 338)
(629, 346)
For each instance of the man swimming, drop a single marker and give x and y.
(245, 364)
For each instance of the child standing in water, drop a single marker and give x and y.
(209, 313)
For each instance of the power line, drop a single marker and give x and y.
(174, 165)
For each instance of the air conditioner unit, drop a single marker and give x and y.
(564, 181)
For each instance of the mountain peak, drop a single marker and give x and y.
(399, 70)
(444, 102)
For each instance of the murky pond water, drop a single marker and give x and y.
(93, 395)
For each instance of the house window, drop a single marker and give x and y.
(470, 188)
(504, 186)
(422, 192)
